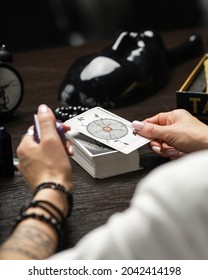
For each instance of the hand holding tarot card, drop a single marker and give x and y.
(109, 129)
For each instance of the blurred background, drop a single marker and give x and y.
(35, 24)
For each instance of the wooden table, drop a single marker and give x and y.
(94, 199)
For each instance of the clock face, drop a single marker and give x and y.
(107, 129)
(11, 89)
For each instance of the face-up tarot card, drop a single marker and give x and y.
(108, 128)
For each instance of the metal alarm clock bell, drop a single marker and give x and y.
(11, 85)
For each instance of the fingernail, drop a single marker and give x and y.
(181, 154)
(156, 149)
(171, 153)
(137, 125)
(71, 149)
(43, 108)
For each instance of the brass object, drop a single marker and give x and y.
(193, 95)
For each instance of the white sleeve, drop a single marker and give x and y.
(167, 218)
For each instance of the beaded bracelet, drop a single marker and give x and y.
(40, 204)
(55, 186)
(54, 223)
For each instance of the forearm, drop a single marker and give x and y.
(33, 238)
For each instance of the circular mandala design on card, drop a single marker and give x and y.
(107, 129)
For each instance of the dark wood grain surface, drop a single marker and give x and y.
(94, 200)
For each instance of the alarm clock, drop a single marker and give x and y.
(11, 85)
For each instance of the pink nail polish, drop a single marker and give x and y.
(43, 108)
(137, 125)
(156, 149)
(71, 149)
(171, 153)
(181, 154)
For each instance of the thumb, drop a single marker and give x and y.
(149, 130)
(46, 121)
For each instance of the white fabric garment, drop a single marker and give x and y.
(167, 218)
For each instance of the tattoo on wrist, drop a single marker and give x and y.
(42, 246)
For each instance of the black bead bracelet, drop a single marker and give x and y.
(59, 187)
(42, 204)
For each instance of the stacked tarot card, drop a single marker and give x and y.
(105, 144)
(99, 160)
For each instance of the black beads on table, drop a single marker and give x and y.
(65, 113)
(6, 155)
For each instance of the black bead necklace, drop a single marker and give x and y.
(68, 112)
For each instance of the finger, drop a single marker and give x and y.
(29, 132)
(65, 127)
(164, 150)
(155, 143)
(172, 153)
(165, 146)
(47, 122)
(69, 148)
(27, 143)
(155, 147)
(150, 130)
(159, 119)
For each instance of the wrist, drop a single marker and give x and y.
(55, 197)
(66, 183)
(58, 193)
(48, 210)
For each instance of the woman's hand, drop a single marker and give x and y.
(47, 161)
(174, 133)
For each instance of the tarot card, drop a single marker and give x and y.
(92, 146)
(109, 129)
